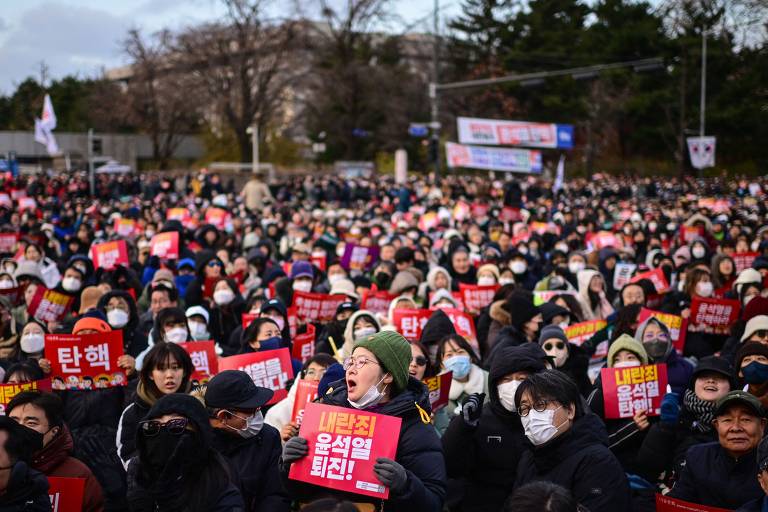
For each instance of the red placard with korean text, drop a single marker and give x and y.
(126, 227)
(180, 214)
(304, 345)
(49, 305)
(657, 277)
(477, 297)
(270, 369)
(742, 260)
(714, 315)
(85, 361)
(66, 493)
(109, 254)
(690, 233)
(8, 391)
(203, 355)
(165, 245)
(464, 325)
(603, 239)
(439, 386)
(581, 332)
(627, 391)
(667, 504)
(316, 307)
(410, 322)
(677, 325)
(248, 318)
(217, 217)
(306, 392)
(377, 301)
(27, 203)
(343, 447)
(8, 242)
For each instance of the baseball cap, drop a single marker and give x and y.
(235, 389)
(739, 397)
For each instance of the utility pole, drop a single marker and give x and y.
(435, 118)
(91, 179)
(703, 106)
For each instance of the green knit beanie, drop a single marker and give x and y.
(627, 342)
(394, 354)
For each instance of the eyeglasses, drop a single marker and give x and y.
(212, 264)
(538, 406)
(762, 333)
(558, 344)
(358, 362)
(420, 360)
(151, 428)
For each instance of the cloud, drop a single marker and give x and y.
(70, 39)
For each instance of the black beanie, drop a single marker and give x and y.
(521, 309)
(752, 348)
(526, 357)
(438, 326)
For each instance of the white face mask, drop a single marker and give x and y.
(335, 278)
(503, 281)
(199, 331)
(176, 335)
(538, 425)
(575, 266)
(363, 332)
(117, 318)
(562, 248)
(626, 364)
(223, 297)
(32, 343)
(507, 394)
(371, 397)
(253, 425)
(303, 285)
(6, 284)
(518, 267)
(340, 251)
(698, 252)
(704, 288)
(486, 281)
(71, 284)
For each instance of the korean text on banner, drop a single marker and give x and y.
(657, 277)
(627, 391)
(165, 245)
(270, 369)
(439, 386)
(493, 159)
(743, 260)
(343, 447)
(623, 274)
(377, 302)
(49, 305)
(126, 227)
(477, 297)
(316, 307)
(713, 315)
(357, 257)
(109, 254)
(410, 322)
(677, 325)
(8, 391)
(218, 217)
(8, 242)
(581, 332)
(247, 319)
(66, 493)
(667, 504)
(203, 355)
(304, 345)
(464, 325)
(306, 392)
(514, 133)
(85, 361)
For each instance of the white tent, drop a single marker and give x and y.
(113, 167)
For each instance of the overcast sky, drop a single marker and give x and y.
(82, 36)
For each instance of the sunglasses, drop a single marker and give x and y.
(558, 344)
(420, 360)
(151, 428)
(214, 264)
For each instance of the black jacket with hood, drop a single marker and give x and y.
(134, 341)
(195, 294)
(27, 491)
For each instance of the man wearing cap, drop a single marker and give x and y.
(251, 448)
(722, 474)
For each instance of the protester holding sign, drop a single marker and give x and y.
(377, 377)
(657, 341)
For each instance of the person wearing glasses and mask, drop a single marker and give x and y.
(570, 359)
(177, 467)
(657, 341)
(251, 448)
(568, 444)
(377, 380)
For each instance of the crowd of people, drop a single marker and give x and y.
(526, 424)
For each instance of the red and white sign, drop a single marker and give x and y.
(126, 227)
(477, 297)
(677, 325)
(203, 355)
(464, 325)
(49, 305)
(316, 307)
(85, 361)
(743, 260)
(690, 233)
(27, 203)
(304, 345)
(247, 319)
(602, 239)
(718, 314)
(343, 447)
(8, 391)
(165, 245)
(306, 392)
(218, 217)
(657, 277)
(66, 493)
(180, 214)
(439, 386)
(410, 322)
(472, 130)
(270, 369)
(8, 242)
(109, 254)
(581, 332)
(377, 301)
(622, 274)
(627, 391)
(667, 504)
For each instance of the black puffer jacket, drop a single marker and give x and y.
(27, 491)
(580, 461)
(418, 451)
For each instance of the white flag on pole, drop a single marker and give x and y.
(49, 116)
(560, 175)
(702, 151)
(44, 127)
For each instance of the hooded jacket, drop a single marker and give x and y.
(603, 309)
(418, 451)
(580, 461)
(349, 332)
(27, 491)
(134, 342)
(194, 294)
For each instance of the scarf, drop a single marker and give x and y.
(703, 411)
(475, 384)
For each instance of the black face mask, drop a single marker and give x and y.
(168, 450)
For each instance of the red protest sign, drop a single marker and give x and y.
(270, 369)
(677, 325)
(8, 242)
(714, 314)
(742, 260)
(203, 355)
(165, 245)
(66, 493)
(603, 239)
(667, 504)
(410, 322)
(377, 301)
(439, 386)
(8, 391)
(343, 447)
(477, 297)
(85, 361)
(180, 214)
(27, 203)
(319, 261)
(49, 305)
(357, 257)
(126, 227)
(109, 254)
(316, 307)
(306, 392)
(657, 277)
(464, 325)
(293, 322)
(690, 233)
(627, 391)
(509, 214)
(217, 217)
(304, 345)
(248, 318)
(581, 332)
